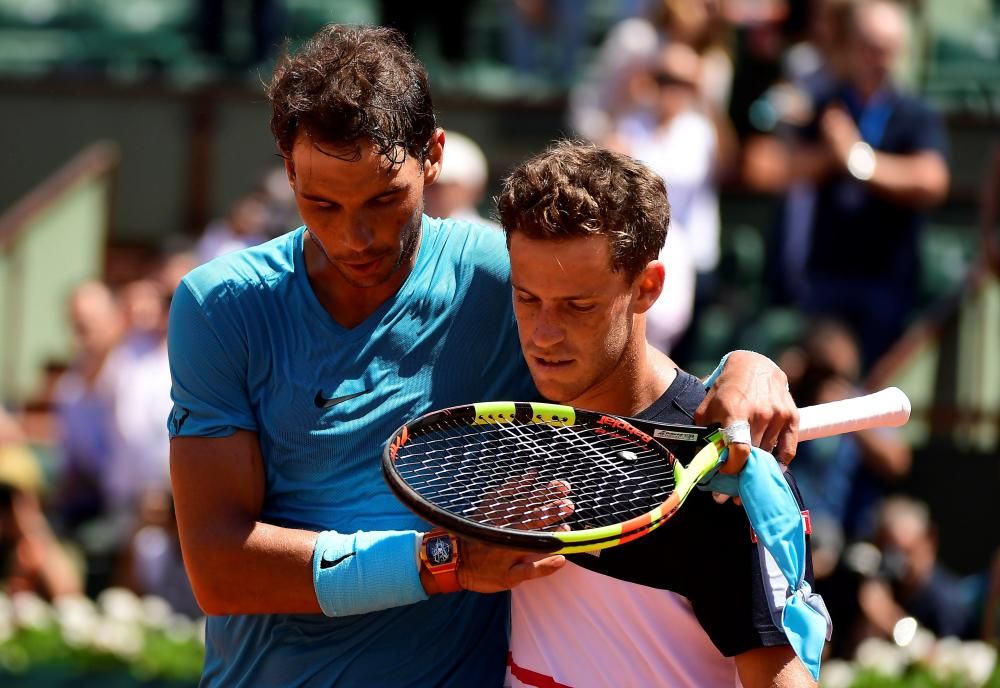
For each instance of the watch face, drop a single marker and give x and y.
(438, 550)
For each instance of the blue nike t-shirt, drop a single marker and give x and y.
(252, 348)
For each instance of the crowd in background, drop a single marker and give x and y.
(781, 111)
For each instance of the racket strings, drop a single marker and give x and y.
(518, 475)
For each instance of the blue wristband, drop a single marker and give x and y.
(362, 572)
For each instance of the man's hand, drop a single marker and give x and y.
(521, 502)
(485, 568)
(752, 388)
(525, 504)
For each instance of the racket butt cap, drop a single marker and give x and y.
(903, 404)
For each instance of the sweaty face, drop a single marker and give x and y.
(365, 212)
(574, 315)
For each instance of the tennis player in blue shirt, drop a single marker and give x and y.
(292, 362)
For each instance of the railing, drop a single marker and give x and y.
(50, 241)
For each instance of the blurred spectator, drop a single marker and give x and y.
(152, 563)
(282, 214)
(811, 70)
(31, 559)
(911, 581)
(141, 394)
(246, 225)
(815, 65)
(876, 158)
(678, 141)
(839, 575)
(670, 316)
(83, 404)
(760, 42)
(614, 84)
(842, 478)
(140, 403)
(461, 186)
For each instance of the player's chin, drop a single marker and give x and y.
(555, 390)
(366, 277)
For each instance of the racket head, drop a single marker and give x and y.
(487, 471)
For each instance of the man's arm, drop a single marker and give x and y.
(919, 180)
(771, 165)
(916, 180)
(237, 565)
(240, 565)
(772, 667)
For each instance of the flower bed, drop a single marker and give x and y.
(922, 661)
(121, 640)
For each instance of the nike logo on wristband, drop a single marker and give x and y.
(325, 563)
(322, 402)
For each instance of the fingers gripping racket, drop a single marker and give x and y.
(551, 478)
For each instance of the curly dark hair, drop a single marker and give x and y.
(349, 84)
(576, 189)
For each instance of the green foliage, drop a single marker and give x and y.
(120, 641)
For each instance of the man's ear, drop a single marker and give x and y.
(647, 286)
(435, 156)
(289, 170)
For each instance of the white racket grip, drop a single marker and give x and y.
(887, 408)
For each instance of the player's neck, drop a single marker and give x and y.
(350, 305)
(641, 377)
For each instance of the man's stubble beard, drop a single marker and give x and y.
(409, 245)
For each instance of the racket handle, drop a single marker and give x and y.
(887, 408)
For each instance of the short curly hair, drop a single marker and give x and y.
(575, 189)
(350, 84)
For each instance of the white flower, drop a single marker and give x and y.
(181, 629)
(120, 605)
(6, 618)
(123, 639)
(30, 610)
(836, 673)
(6, 628)
(78, 620)
(882, 657)
(979, 660)
(156, 612)
(946, 659)
(920, 648)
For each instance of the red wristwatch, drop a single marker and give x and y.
(439, 555)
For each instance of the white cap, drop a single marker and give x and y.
(464, 162)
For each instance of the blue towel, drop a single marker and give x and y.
(775, 516)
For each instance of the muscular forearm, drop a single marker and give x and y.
(251, 568)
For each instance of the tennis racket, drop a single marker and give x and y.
(550, 478)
